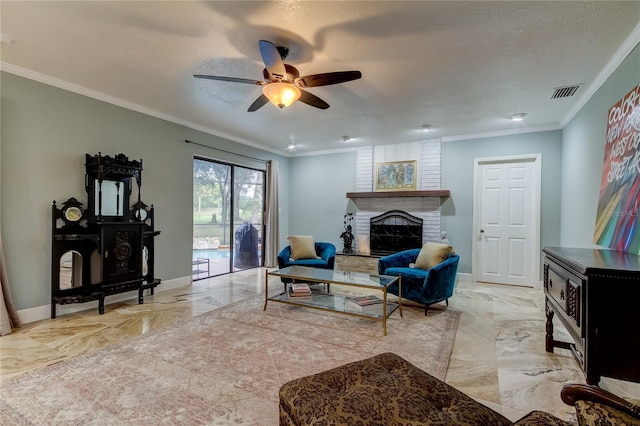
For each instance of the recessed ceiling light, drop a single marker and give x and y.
(519, 116)
(426, 127)
(291, 146)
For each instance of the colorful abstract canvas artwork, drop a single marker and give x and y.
(618, 218)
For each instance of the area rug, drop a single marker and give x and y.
(221, 368)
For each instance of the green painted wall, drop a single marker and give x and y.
(457, 176)
(571, 167)
(318, 195)
(46, 133)
(583, 141)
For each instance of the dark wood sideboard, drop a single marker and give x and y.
(595, 293)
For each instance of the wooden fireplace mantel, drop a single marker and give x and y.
(389, 194)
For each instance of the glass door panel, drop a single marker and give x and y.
(228, 201)
(248, 204)
(211, 214)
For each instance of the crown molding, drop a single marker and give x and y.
(497, 133)
(621, 54)
(324, 152)
(80, 90)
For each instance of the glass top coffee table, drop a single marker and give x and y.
(334, 301)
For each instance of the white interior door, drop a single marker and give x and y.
(507, 220)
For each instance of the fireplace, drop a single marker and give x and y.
(394, 231)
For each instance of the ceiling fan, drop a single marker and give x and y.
(282, 84)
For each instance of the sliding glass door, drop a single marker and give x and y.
(228, 201)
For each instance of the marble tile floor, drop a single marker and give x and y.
(498, 356)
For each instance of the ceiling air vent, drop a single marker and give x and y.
(565, 92)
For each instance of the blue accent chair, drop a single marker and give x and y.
(425, 286)
(326, 252)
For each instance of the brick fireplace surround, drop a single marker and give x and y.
(429, 178)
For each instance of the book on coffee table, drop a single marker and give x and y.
(299, 291)
(365, 303)
(300, 288)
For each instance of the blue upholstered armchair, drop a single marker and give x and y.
(325, 251)
(421, 285)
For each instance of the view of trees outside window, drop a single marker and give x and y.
(216, 229)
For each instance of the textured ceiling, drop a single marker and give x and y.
(462, 67)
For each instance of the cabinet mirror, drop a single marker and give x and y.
(70, 270)
(109, 184)
(109, 197)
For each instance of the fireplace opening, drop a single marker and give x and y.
(394, 231)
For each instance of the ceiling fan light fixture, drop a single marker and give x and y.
(519, 116)
(426, 127)
(281, 94)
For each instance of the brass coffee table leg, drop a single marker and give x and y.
(384, 312)
(400, 295)
(266, 289)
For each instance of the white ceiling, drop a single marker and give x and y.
(462, 67)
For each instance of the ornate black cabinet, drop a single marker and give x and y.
(108, 248)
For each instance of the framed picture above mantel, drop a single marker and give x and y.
(396, 176)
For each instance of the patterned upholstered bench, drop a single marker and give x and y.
(388, 390)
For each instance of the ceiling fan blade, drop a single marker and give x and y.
(258, 103)
(231, 79)
(312, 100)
(272, 60)
(327, 79)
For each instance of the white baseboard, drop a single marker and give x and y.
(464, 277)
(468, 278)
(38, 313)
